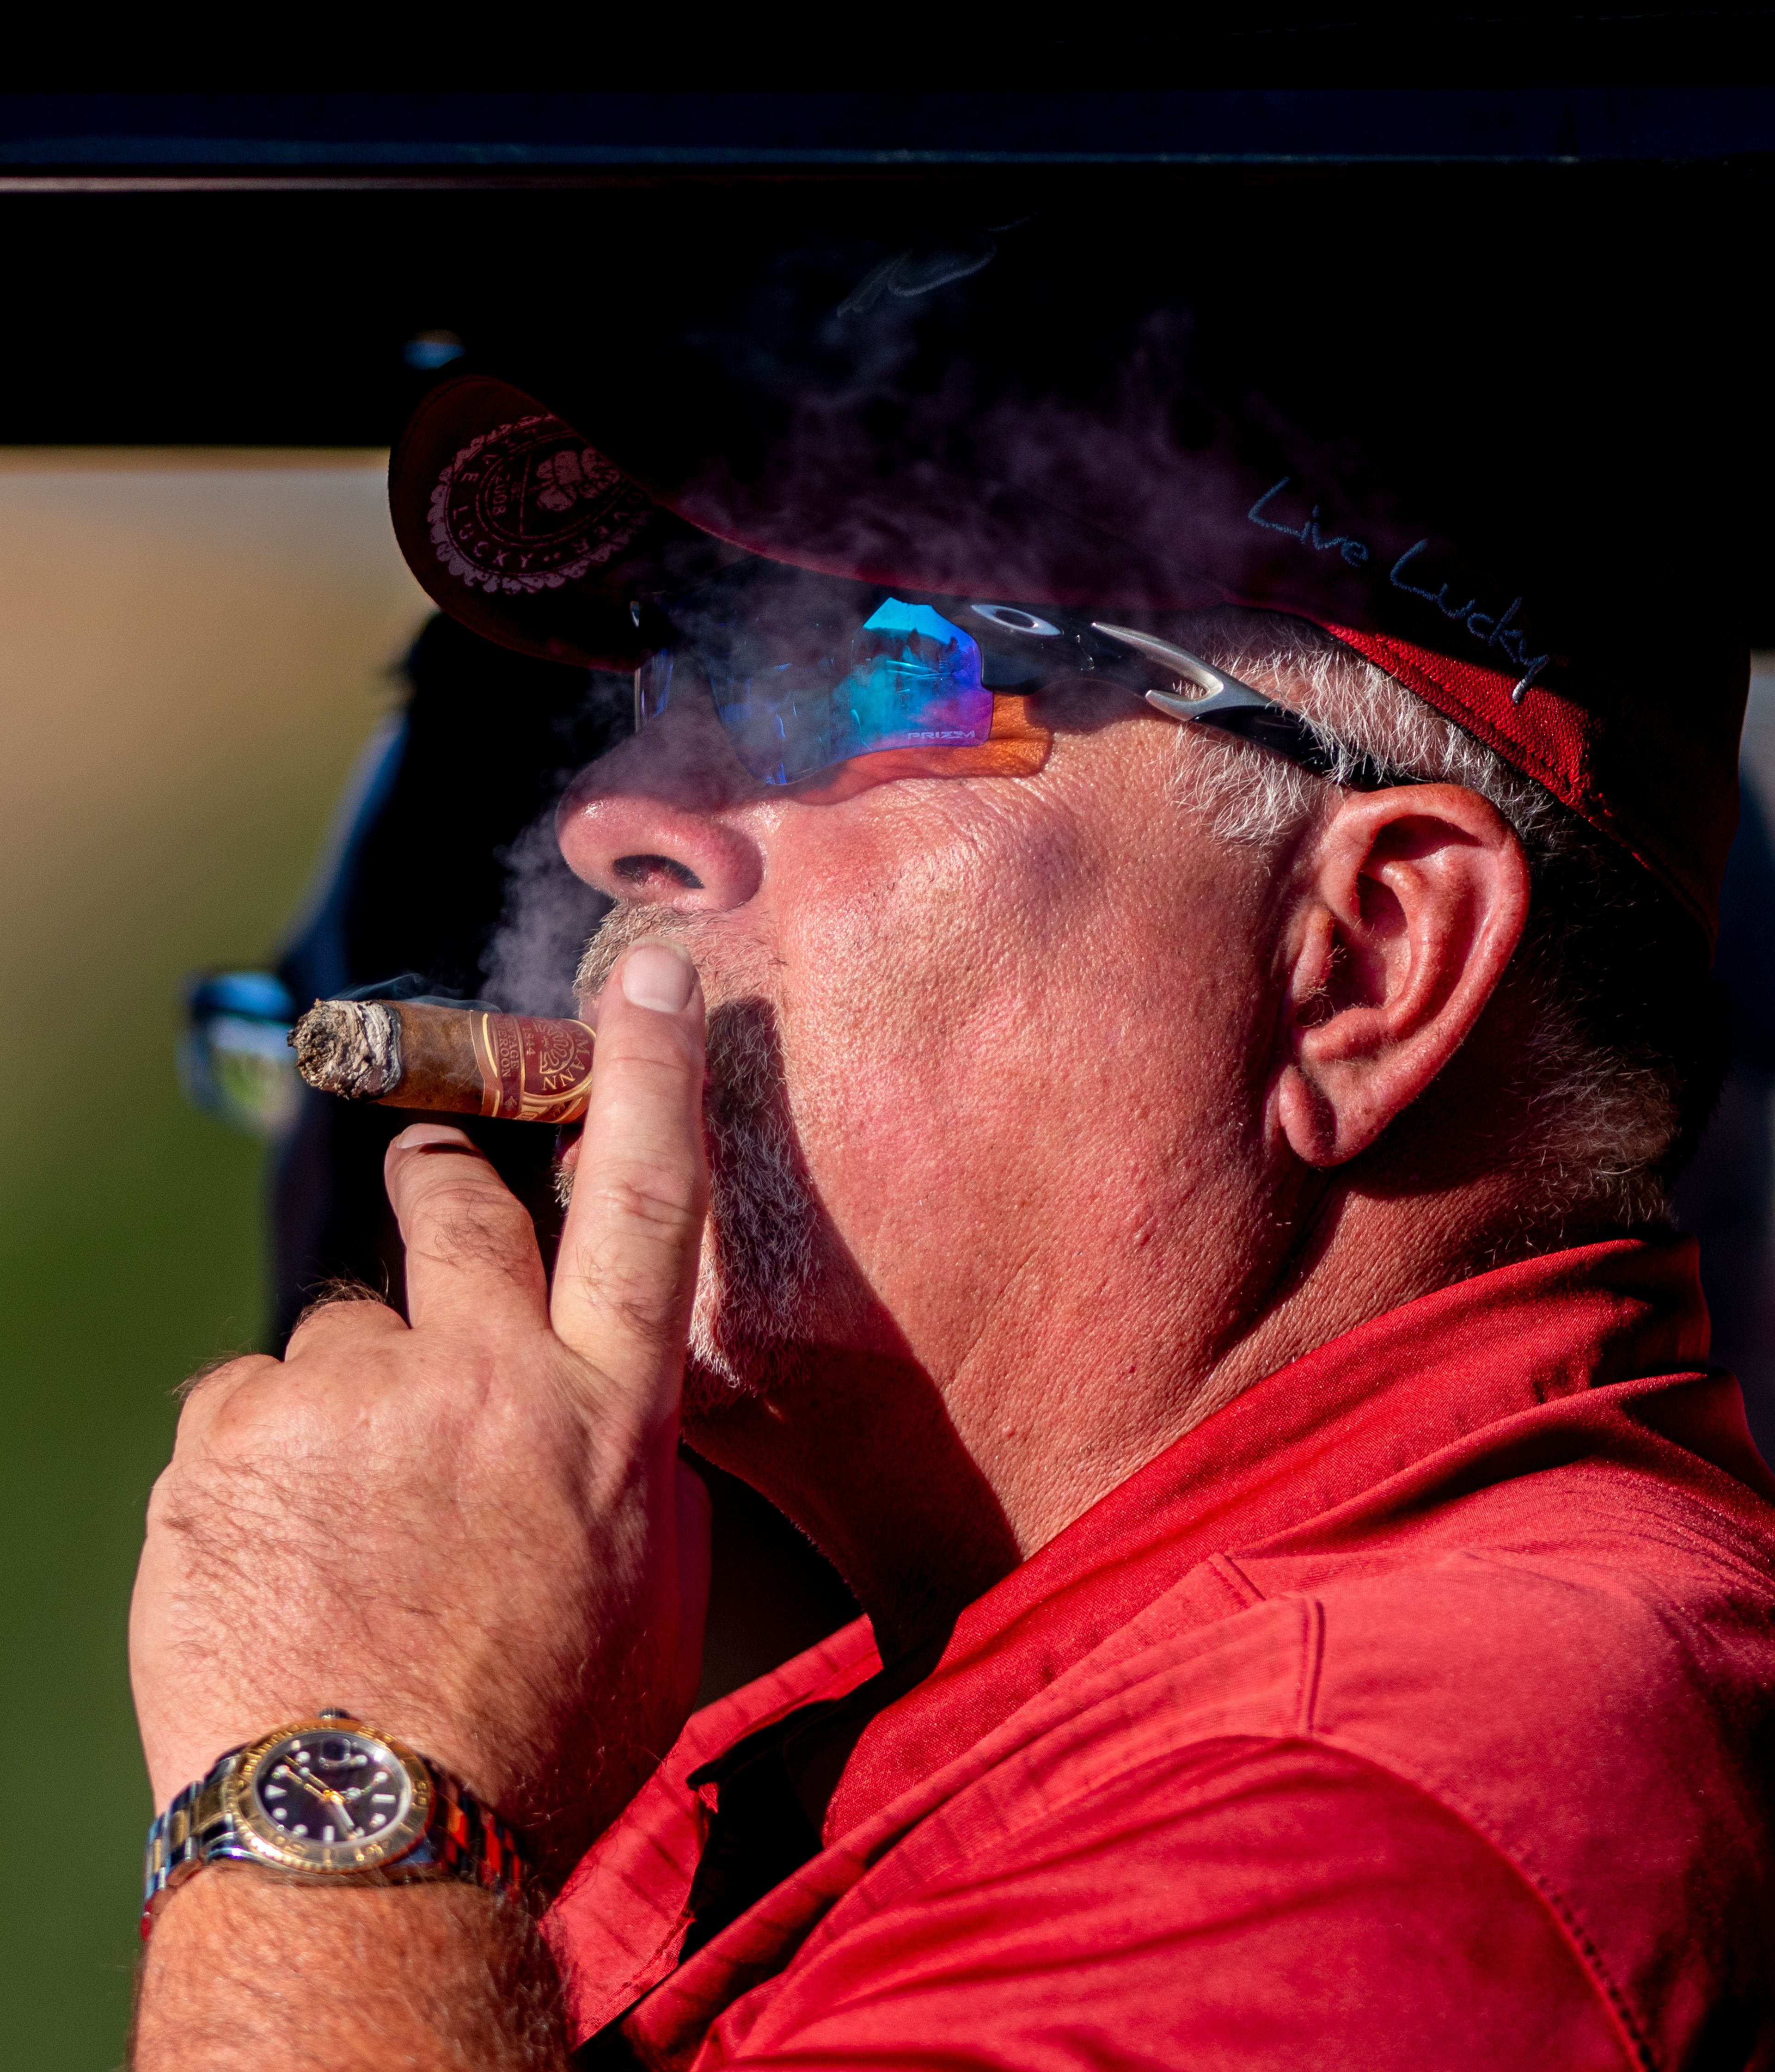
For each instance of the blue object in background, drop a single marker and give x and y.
(432, 350)
(234, 1060)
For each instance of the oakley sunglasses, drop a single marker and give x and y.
(806, 671)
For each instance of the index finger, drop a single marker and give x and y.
(472, 1247)
(625, 1274)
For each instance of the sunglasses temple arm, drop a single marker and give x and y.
(1234, 698)
(1177, 661)
(1236, 708)
(1222, 695)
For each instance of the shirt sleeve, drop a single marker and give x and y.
(1252, 1906)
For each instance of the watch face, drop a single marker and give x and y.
(329, 1795)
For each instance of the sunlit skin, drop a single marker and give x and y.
(1042, 1042)
(1107, 1118)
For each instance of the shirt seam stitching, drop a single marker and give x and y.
(1635, 2044)
(1588, 1955)
(1639, 2044)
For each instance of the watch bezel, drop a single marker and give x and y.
(266, 1841)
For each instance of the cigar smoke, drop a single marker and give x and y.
(549, 913)
(1149, 419)
(757, 1293)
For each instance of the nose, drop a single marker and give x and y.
(657, 821)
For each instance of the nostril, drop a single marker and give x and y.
(637, 870)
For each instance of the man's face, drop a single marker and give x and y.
(981, 1048)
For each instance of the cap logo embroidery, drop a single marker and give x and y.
(1490, 629)
(1355, 552)
(1499, 633)
(529, 506)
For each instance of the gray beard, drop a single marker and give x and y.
(756, 1286)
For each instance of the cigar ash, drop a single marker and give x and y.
(349, 1047)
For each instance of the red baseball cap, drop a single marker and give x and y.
(941, 419)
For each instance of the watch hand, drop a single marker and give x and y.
(326, 1791)
(310, 1782)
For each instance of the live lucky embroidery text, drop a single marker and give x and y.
(1490, 629)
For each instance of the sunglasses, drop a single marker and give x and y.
(807, 670)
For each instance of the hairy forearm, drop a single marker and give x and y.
(470, 1527)
(244, 1971)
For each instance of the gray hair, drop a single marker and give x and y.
(1624, 1065)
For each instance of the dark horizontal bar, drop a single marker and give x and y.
(493, 134)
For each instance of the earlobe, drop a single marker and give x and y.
(1415, 900)
(1307, 1123)
(1306, 1119)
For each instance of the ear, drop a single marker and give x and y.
(1413, 902)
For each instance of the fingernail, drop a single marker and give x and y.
(418, 1135)
(658, 976)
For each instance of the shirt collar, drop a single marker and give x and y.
(1349, 1416)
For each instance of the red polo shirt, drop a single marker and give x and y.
(1413, 1711)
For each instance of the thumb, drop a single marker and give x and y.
(625, 1274)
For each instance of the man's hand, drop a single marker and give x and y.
(472, 1530)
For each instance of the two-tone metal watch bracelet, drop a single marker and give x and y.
(329, 1801)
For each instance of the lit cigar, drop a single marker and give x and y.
(462, 1061)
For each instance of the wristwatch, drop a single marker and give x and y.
(331, 1801)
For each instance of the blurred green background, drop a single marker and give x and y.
(192, 648)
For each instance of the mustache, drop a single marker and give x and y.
(732, 1044)
(755, 1296)
(622, 927)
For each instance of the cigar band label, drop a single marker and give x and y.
(532, 1070)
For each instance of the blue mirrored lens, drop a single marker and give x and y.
(798, 689)
(914, 681)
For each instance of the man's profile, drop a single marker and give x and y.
(1157, 989)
